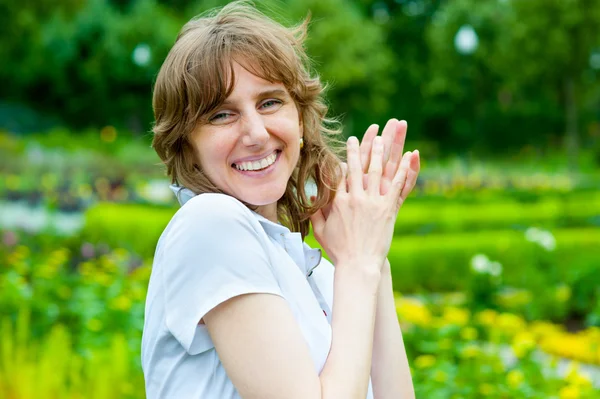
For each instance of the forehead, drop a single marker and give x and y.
(244, 79)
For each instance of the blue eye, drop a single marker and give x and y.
(220, 117)
(270, 103)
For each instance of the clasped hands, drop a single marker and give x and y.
(385, 171)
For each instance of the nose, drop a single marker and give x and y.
(254, 131)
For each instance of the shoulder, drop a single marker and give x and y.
(213, 214)
(211, 206)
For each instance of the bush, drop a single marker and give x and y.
(133, 227)
(440, 262)
(572, 210)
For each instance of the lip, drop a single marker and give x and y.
(253, 158)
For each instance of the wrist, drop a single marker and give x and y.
(366, 272)
(385, 267)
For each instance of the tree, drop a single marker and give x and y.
(551, 42)
(527, 75)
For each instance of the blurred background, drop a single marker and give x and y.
(496, 259)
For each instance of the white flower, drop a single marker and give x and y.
(495, 269)
(547, 241)
(480, 263)
(532, 234)
(543, 238)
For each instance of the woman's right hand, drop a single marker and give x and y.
(360, 224)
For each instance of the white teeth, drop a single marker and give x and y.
(257, 165)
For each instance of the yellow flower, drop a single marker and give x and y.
(543, 328)
(468, 334)
(413, 311)
(457, 316)
(515, 378)
(121, 302)
(523, 343)
(424, 361)
(574, 378)
(487, 317)
(569, 392)
(470, 351)
(510, 324)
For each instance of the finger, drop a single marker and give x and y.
(343, 183)
(365, 146)
(397, 145)
(375, 166)
(399, 180)
(412, 174)
(317, 220)
(354, 168)
(388, 135)
(396, 148)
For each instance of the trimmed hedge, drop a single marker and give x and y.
(440, 262)
(573, 210)
(432, 262)
(136, 228)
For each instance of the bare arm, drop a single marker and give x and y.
(266, 356)
(390, 373)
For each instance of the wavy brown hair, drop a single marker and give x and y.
(197, 77)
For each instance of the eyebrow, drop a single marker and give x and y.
(263, 94)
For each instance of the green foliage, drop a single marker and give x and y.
(135, 227)
(381, 59)
(529, 78)
(94, 291)
(50, 367)
(440, 262)
(569, 210)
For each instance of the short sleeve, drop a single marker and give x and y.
(213, 251)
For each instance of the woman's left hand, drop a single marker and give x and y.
(394, 136)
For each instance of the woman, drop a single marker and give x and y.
(236, 305)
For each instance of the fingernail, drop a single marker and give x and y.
(416, 152)
(352, 140)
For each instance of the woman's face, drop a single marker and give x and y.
(251, 144)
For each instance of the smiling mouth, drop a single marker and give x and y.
(259, 164)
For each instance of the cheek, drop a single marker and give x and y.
(210, 151)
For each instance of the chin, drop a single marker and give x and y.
(262, 198)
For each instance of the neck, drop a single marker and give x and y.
(268, 212)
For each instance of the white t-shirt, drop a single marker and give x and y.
(213, 249)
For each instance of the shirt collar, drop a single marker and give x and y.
(304, 256)
(183, 194)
